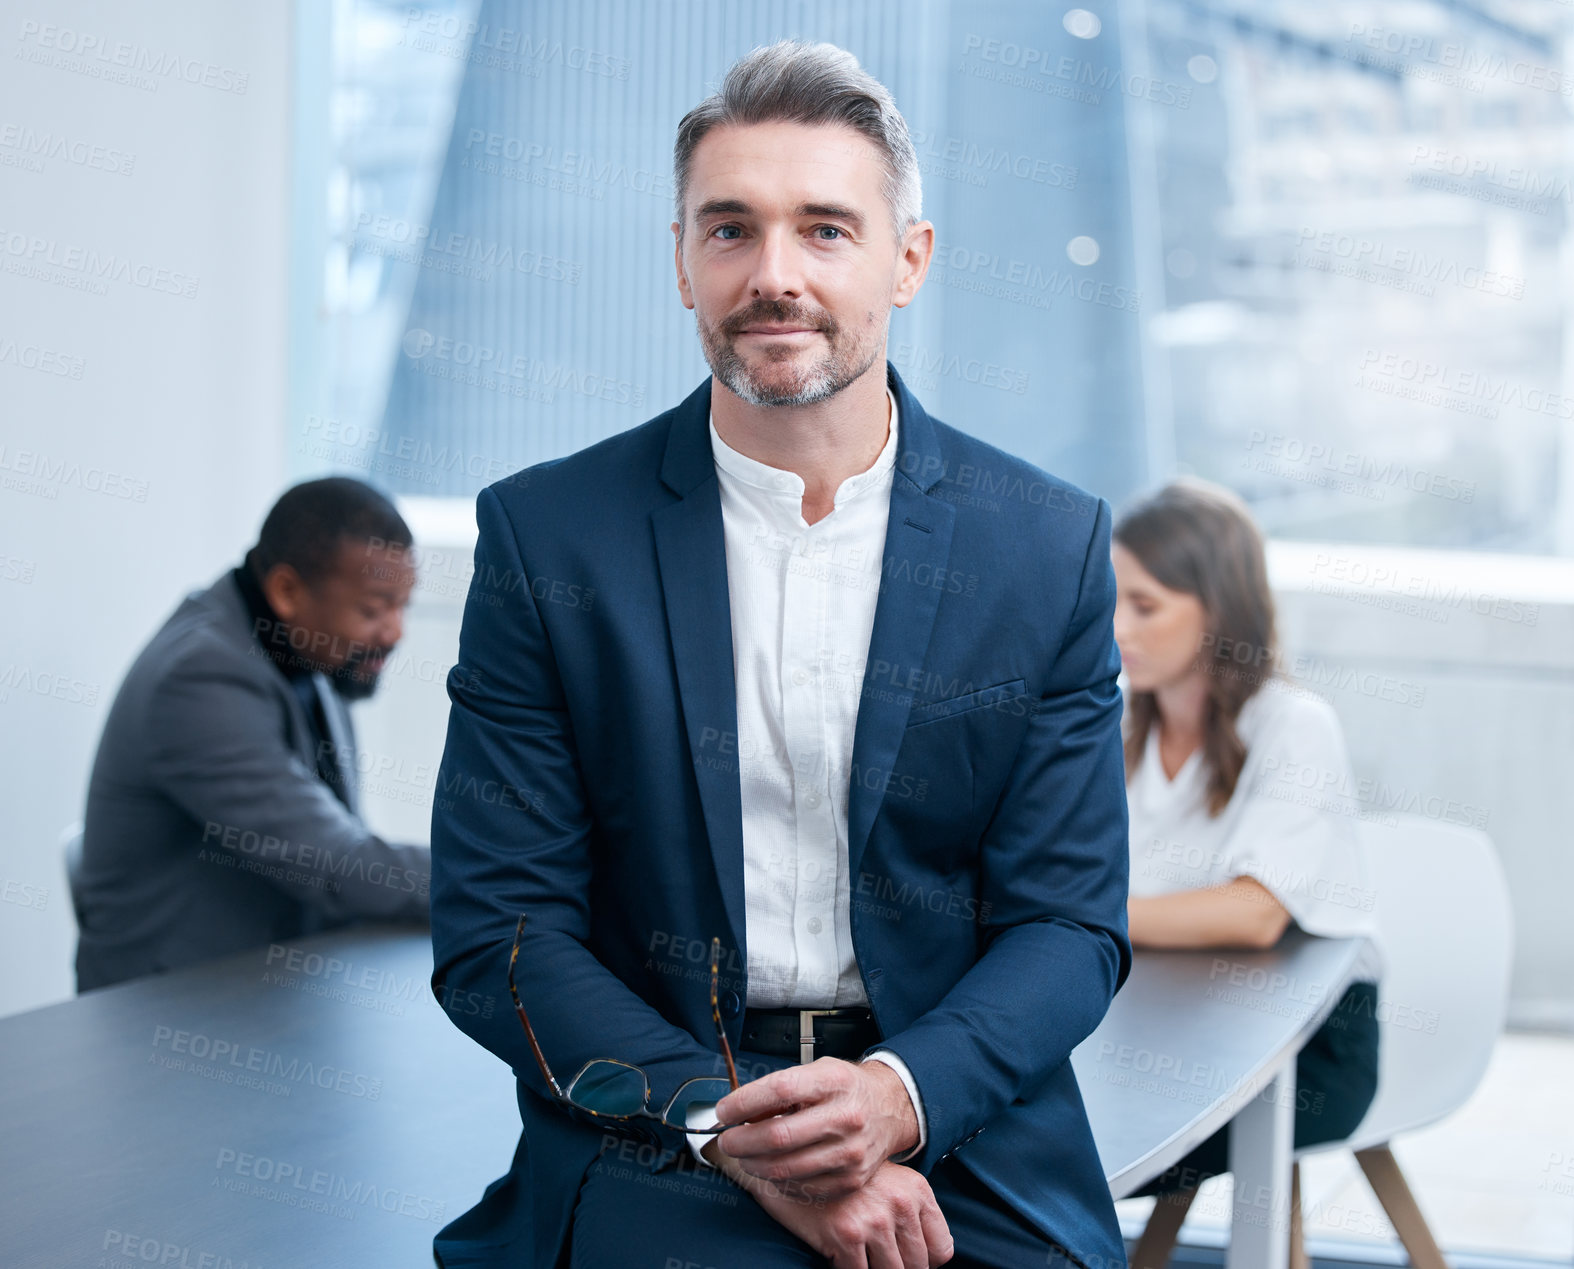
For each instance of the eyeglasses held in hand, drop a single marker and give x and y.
(611, 1089)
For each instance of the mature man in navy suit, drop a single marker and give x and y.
(799, 668)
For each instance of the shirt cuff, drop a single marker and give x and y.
(701, 1115)
(890, 1058)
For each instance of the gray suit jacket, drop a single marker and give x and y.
(207, 828)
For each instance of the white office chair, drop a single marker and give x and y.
(1447, 932)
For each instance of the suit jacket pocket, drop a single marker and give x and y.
(955, 756)
(934, 711)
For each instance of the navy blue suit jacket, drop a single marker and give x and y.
(590, 780)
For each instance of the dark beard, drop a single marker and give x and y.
(349, 681)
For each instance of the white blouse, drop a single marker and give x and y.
(1290, 824)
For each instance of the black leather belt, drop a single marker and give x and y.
(806, 1034)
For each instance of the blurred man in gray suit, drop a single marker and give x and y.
(223, 808)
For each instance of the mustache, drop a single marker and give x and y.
(360, 656)
(775, 317)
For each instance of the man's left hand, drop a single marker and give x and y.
(828, 1124)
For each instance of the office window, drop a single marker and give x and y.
(540, 311)
(1366, 338)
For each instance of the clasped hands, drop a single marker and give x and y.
(812, 1143)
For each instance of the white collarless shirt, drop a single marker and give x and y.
(1290, 824)
(803, 600)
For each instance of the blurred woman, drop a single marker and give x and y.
(1243, 819)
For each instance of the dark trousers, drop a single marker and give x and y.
(695, 1217)
(1335, 1081)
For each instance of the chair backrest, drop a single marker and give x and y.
(1447, 934)
(71, 848)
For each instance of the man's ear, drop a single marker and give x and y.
(285, 589)
(685, 292)
(913, 255)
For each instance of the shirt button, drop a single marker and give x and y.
(800, 677)
(784, 482)
(814, 925)
(813, 799)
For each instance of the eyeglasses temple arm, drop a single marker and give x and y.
(715, 1012)
(530, 1034)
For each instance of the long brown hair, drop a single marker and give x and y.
(1199, 538)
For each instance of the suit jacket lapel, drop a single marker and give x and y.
(917, 553)
(341, 735)
(691, 554)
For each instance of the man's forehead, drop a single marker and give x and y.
(353, 548)
(383, 561)
(732, 147)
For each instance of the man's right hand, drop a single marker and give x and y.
(893, 1222)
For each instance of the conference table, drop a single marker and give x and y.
(1197, 1040)
(310, 1104)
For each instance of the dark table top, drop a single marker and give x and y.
(311, 1105)
(273, 1113)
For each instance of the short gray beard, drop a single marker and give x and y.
(825, 379)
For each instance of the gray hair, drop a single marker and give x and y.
(799, 82)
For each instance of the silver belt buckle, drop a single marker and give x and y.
(806, 1036)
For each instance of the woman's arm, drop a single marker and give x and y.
(1240, 913)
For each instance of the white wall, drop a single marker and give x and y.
(1453, 675)
(177, 400)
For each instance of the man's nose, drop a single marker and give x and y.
(393, 628)
(776, 265)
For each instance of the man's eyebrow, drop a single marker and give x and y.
(737, 207)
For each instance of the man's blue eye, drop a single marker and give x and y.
(836, 229)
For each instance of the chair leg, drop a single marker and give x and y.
(1162, 1231)
(1297, 1240)
(1388, 1183)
